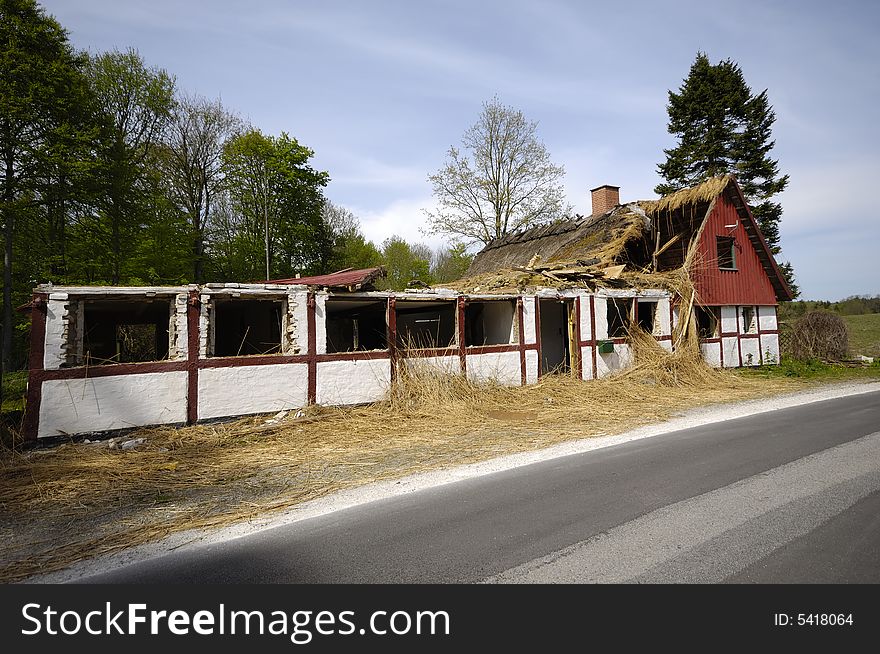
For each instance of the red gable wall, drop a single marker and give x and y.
(748, 284)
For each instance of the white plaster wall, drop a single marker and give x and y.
(529, 333)
(352, 382)
(666, 345)
(499, 321)
(601, 305)
(728, 322)
(241, 390)
(731, 351)
(767, 319)
(711, 353)
(587, 362)
(617, 360)
(751, 356)
(445, 364)
(586, 333)
(320, 323)
(770, 348)
(531, 366)
(662, 322)
(674, 317)
(501, 366)
(75, 406)
(54, 354)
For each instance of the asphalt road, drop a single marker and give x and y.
(787, 496)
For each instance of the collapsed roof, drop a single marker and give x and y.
(627, 245)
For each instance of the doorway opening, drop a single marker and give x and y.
(558, 336)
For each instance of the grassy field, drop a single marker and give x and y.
(864, 334)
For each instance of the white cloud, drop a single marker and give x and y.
(352, 169)
(403, 218)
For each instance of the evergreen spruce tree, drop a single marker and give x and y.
(722, 127)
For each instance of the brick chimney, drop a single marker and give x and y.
(605, 197)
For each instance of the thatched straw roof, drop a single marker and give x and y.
(705, 192)
(598, 240)
(648, 237)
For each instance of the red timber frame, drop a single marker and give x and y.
(193, 362)
(738, 336)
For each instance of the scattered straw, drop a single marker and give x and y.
(705, 192)
(78, 501)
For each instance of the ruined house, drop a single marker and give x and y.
(558, 298)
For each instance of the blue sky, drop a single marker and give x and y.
(381, 89)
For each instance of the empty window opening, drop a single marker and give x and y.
(247, 327)
(749, 322)
(555, 348)
(618, 317)
(726, 252)
(124, 331)
(489, 323)
(425, 324)
(707, 322)
(646, 315)
(356, 324)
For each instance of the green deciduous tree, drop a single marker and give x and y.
(136, 103)
(405, 263)
(501, 181)
(277, 197)
(191, 164)
(722, 127)
(450, 263)
(42, 105)
(349, 247)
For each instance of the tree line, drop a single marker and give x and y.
(112, 174)
(855, 305)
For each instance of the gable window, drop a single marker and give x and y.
(749, 321)
(726, 252)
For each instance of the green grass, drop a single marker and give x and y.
(864, 334)
(814, 370)
(14, 389)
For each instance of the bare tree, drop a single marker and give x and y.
(193, 165)
(501, 181)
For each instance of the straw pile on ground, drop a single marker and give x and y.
(78, 501)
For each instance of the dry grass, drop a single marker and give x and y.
(77, 501)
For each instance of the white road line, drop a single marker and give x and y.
(842, 475)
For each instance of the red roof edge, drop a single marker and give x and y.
(348, 279)
(756, 238)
